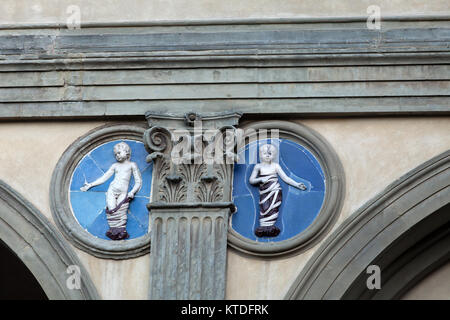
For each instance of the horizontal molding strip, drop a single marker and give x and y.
(323, 107)
(226, 91)
(297, 40)
(208, 22)
(224, 75)
(330, 66)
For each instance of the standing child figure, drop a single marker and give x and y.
(117, 197)
(270, 194)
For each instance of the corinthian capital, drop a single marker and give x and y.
(193, 156)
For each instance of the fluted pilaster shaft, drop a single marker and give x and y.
(188, 251)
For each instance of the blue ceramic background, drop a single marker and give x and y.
(89, 207)
(298, 208)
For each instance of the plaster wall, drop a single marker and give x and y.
(435, 286)
(374, 152)
(45, 11)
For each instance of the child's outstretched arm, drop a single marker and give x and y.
(108, 174)
(288, 180)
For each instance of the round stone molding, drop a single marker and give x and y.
(60, 202)
(334, 180)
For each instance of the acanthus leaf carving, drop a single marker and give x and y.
(191, 164)
(170, 186)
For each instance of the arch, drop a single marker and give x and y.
(404, 230)
(40, 247)
(17, 282)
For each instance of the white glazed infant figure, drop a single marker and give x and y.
(117, 196)
(266, 175)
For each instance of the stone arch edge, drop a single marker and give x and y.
(432, 176)
(40, 246)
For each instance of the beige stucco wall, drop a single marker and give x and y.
(374, 152)
(43, 11)
(435, 286)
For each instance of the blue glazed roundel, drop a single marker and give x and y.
(298, 208)
(89, 207)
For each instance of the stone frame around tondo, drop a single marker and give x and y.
(59, 195)
(332, 203)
